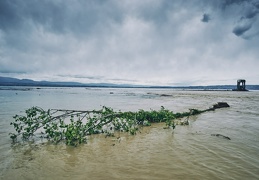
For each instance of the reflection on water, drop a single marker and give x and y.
(188, 152)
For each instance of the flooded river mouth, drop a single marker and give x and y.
(188, 152)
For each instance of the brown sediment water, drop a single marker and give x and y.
(188, 152)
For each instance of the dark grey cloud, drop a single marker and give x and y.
(10, 17)
(206, 18)
(226, 3)
(147, 41)
(251, 13)
(241, 29)
(77, 17)
(57, 16)
(245, 14)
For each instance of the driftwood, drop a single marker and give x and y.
(217, 106)
(220, 135)
(194, 112)
(220, 105)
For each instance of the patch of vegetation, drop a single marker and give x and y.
(72, 126)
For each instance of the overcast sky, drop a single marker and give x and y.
(154, 42)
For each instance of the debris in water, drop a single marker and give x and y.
(220, 135)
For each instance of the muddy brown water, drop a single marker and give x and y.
(188, 152)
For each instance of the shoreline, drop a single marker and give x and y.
(28, 88)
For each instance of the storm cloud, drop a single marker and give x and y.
(241, 29)
(130, 41)
(206, 18)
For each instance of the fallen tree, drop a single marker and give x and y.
(72, 126)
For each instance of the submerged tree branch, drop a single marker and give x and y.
(73, 126)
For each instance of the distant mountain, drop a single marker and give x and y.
(13, 81)
(8, 81)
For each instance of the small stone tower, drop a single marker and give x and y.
(241, 85)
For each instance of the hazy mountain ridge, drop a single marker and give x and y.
(8, 81)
